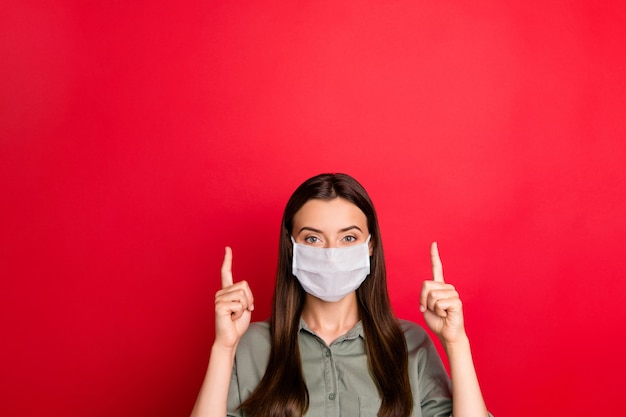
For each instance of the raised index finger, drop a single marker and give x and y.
(227, 268)
(435, 260)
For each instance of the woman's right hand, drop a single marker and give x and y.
(233, 306)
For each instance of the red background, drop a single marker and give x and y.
(140, 138)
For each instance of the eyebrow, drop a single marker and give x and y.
(345, 229)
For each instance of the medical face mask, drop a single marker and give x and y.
(331, 273)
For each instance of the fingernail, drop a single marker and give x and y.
(422, 308)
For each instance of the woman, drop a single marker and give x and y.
(332, 345)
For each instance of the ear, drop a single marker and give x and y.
(371, 246)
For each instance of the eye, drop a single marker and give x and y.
(349, 239)
(311, 239)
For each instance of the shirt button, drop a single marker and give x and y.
(331, 396)
(327, 353)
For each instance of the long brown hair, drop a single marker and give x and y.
(282, 391)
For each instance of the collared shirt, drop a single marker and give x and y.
(338, 377)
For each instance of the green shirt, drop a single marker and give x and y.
(337, 376)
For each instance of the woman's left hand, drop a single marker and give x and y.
(441, 305)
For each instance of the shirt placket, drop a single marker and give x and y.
(330, 381)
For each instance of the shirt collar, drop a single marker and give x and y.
(353, 333)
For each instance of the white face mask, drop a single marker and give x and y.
(331, 273)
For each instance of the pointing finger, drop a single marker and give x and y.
(435, 260)
(227, 268)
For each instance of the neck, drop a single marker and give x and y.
(330, 320)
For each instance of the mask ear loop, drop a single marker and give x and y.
(293, 247)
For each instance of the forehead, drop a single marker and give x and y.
(329, 215)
